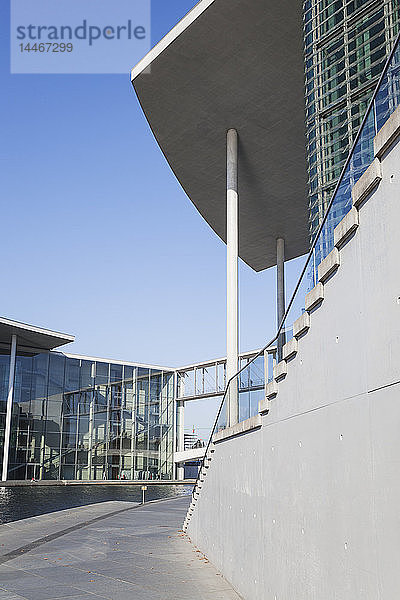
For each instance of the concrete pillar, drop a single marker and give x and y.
(76, 441)
(133, 439)
(10, 398)
(42, 455)
(232, 244)
(280, 291)
(180, 472)
(90, 444)
(180, 436)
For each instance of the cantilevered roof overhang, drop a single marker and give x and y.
(235, 64)
(30, 337)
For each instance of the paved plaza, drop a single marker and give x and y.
(114, 550)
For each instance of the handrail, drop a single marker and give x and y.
(310, 254)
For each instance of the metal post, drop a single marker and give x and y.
(107, 434)
(135, 411)
(77, 438)
(42, 455)
(232, 243)
(121, 429)
(10, 397)
(180, 436)
(280, 290)
(133, 438)
(90, 449)
(61, 437)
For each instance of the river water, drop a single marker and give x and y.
(22, 502)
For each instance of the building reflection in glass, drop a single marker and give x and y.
(76, 418)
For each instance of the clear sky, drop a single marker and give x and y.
(98, 238)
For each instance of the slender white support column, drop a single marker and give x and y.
(280, 290)
(232, 244)
(180, 436)
(42, 455)
(10, 397)
(90, 449)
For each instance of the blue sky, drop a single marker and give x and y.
(98, 238)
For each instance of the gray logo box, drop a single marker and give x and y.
(78, 36)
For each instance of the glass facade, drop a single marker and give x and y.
(76, 418)
(346, 45)
(386, 100)
(4, 369)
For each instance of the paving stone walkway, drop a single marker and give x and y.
(113, 550)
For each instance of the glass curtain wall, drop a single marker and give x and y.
(346, 45)
(4, 370)
(88, 420)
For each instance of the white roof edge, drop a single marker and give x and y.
(170, 37)
(145, 366)
(249, 353)
(115, 362)
(34, 329)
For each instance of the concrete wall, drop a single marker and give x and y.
(308, 506)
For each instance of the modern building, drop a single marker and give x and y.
(69, 417)
(74, 417)
(346, 44)
(298, 499)
(297, 494)
(235, 117)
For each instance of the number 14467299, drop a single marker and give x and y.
(47, 47)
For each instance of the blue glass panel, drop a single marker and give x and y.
(86, 378)
(72, 369)
(115, 372)
(56, 376)
(101, 373)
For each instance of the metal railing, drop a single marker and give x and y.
(384, 101)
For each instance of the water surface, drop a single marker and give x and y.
(22, 502)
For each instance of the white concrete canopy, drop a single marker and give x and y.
(235, 64)
(29, 336)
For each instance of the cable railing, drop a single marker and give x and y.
(384, 101)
